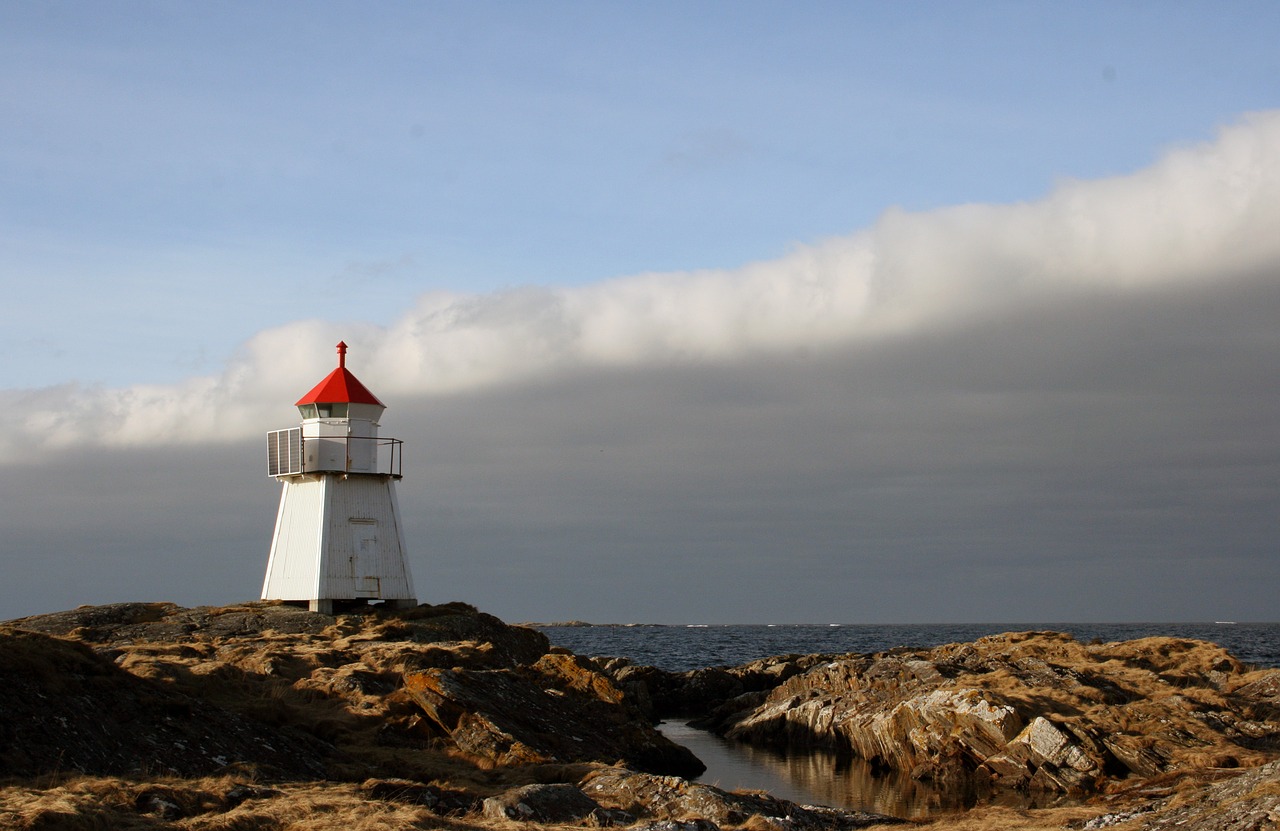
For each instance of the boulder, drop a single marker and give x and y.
(1056, 761)
(561, 804)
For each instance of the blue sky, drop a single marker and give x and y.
(742, 312)
(178, 177)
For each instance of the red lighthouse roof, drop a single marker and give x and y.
(340, 387)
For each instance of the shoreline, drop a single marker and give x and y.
(445, 711)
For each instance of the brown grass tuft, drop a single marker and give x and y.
(1000, 818)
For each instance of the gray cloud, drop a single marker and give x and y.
(967, 479)
(1089, 461)
(1062, 410)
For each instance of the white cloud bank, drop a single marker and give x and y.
(1202, 213)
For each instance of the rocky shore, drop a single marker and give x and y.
(1030, 710)
(266, 716)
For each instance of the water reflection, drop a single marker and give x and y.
(821, 777)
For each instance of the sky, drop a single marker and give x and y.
(695, 312)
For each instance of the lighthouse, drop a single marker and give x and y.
(338, 536)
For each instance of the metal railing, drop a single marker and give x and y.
(286, 454)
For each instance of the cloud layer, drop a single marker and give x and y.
(1063, 409)
(1201, 215)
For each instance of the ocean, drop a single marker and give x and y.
(824, 778)
(693, 646)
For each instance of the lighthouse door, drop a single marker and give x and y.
(364, 558)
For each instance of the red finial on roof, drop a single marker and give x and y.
(340, 386)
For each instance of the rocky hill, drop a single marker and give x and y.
(155, 688)
(266, 716)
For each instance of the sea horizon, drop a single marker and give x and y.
(686, 646)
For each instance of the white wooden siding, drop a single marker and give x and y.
(338, 538)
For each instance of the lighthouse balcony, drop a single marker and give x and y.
(290, 453)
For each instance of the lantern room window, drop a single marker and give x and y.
(323, 410)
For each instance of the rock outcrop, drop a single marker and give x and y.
(1029, 710)
(558, 709)
(673, 799)
(262, 715)
(561, 804)
(292, 692)
(410, 716)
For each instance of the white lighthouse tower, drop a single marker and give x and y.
(338, 535)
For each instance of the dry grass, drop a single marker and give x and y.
(1152, 690)
(997, 818)
(110, 804)
(116, 804)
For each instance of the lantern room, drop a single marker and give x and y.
(340, 422)
(339, 431)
